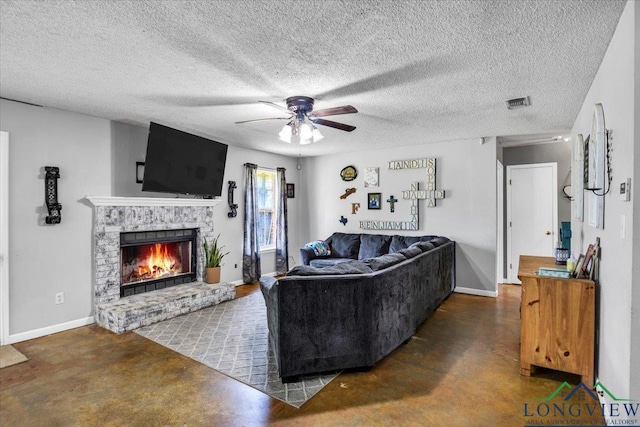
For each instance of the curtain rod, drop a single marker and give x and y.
(263, 167)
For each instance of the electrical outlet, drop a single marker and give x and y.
(235, 266)
(60, 298)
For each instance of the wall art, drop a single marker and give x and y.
(374, 200)
(349, 173)
(371, 177)
(348, 192)
(577, 178)
(291, 191)
(431, 194)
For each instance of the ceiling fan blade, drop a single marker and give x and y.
(345, 109)
(279, 107)
(336, 125)
(261, 120)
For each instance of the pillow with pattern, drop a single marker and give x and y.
(319, 247)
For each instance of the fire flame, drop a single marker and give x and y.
(159, 263)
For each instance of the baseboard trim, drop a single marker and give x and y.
(53, 329)
(478, 292)
(241, 282)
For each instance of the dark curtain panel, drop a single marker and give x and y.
(282, 226)
(251, 248)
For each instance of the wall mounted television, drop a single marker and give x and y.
(182, 163)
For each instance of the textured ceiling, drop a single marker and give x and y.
(417, 71)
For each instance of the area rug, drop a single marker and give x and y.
(232, 338)
(10, 356)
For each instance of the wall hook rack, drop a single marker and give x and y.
(232, 206)
(52, 174)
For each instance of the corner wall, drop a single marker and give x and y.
(466, 171)
(615, 88)
(46, 259)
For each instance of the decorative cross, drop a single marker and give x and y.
(392, 203)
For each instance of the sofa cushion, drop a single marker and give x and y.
(439, 241)
(401, 242)
(410, 252)
(350, 267)
(423, 246)
(373, 245)
(344, 245)
(384, 261)
(319, 247)
(327, 262)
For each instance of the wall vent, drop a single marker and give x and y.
(517, 102)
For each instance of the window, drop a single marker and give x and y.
(267, 196)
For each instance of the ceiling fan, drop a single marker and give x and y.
(302, 119)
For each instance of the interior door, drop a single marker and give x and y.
(532, 214)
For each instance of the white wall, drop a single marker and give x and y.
(46, 259)
(466, 171)
(130, 145)
(615, 86)
(635, 188)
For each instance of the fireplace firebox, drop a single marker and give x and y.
(151, 260)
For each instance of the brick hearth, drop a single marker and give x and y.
(114, 215)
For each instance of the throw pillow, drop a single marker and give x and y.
(424, 246)
(373, 245)
(344, 245)
(319, 247)
(410, 252)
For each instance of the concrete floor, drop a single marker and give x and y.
(460, 369)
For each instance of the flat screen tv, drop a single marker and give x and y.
(182, 163)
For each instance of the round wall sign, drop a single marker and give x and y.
(349, 173)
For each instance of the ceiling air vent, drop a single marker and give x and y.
(517, 102)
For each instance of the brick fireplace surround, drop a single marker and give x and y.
(115, 215)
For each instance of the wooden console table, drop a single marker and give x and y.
(557, 325)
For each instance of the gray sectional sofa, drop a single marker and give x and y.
(358, 308)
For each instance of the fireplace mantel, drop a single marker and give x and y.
(149, 201)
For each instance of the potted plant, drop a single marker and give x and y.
(213, 256)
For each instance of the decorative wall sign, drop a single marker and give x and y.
(431, 194)
(349, 173)
(343, 220)
(374, 200)
(354, 208)
(597, 159)
(348, 192)
(233, 212)
(371, 177)
(52, 173)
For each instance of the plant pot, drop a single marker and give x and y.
(212, 275)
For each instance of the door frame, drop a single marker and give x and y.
(554, 200)
(4, 239)
(500, 225)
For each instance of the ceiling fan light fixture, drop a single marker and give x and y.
(317, 136)
(305, 131)
(305, 141)
(285, 134)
